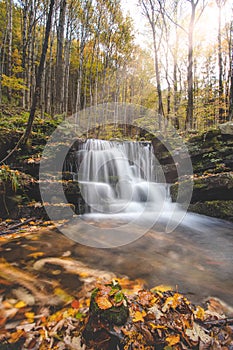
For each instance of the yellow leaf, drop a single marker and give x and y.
(173, 339)
(200, 313)
(36, 255)
(69, 313)
(139, 316)
(20, 304)
(29, 315)
(103, 302)
(172, 302)
(157, 326)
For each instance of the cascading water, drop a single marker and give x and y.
(120, 177)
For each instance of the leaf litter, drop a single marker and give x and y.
(157, 319)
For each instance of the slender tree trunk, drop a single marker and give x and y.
(60, 60)
(158, 82)
(190, 107)
(175, 78)
(220, 63)
(231, 77)
(49, 85)
(24, 49)
(10, 27)
(39, 74)
(1, 54)
(30, 44)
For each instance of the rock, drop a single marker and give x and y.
(206, 188)
(219, 209)
(212, 195)
(226, 128)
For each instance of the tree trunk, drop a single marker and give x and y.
(220, 63)
(231, 78)
(190, 106)
(10, 26)
(60, 60)
(39, 75)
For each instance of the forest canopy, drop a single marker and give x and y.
(92, 57)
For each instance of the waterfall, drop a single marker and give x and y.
(118, 177)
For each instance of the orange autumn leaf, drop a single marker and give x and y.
(139, 316)
(173, 339)
(103, 302)
(157, 326)
(75, 304)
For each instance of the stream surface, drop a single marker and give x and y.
(196, 258)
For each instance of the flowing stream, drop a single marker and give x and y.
(128, 208)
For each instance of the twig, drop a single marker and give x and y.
(9, 229)
(219, 323)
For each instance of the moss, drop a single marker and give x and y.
(219, 209)
(116, 314)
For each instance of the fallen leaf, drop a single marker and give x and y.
(29, 315)
(173, 339)
(103, 302)
(139, 316)
(197, 333)
(172, 302)
(200, 313)
(20, 304)
(75, 304)
(157, 326)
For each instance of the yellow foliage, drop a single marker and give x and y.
(139, 316)
(173, 339)
(13, 83)
(20, 304)
(200, 313)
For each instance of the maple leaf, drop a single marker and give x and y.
(173, 339)
(139, 316)
(103, 302)
(197, 333)
(173, 302)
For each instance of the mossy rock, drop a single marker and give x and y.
(116, 314)
(207, 188)
(218, 209)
